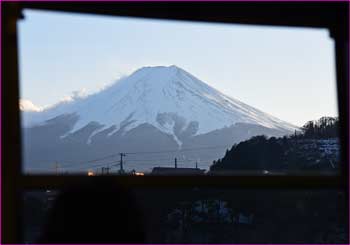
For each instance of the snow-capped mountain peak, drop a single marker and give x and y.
(168, 98)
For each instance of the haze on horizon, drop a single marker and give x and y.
(286, 72)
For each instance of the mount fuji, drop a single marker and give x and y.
(160, 109)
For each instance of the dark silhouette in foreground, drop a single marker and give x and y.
(95, 212)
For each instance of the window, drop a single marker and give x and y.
(224, 105)
(327, 17)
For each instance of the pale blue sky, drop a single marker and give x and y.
(287, 72)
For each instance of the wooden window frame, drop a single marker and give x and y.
(333, 16)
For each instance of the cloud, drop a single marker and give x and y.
(75, 95)
(79, 94)
(27, 105)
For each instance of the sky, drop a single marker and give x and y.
(286, 72)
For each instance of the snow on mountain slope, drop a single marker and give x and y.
(168, 98)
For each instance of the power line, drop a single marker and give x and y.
(163, 161)
(71, 164)
(145, 152)
(90, 166)
(88, 161)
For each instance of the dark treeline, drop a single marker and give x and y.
(256, 153)
(325, 127)
(302, 150)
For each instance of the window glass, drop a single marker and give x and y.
(112, 95)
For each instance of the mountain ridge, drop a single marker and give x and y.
(169, 98)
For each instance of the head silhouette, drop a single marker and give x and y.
(97, 211)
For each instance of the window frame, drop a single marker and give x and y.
(333, 16)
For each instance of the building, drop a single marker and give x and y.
(177, 171)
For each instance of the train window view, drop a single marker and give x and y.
(132, 96)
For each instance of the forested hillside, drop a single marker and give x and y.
(315, 147)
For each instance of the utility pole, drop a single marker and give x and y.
(175, 162)
(121, 161)
(196, 165)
